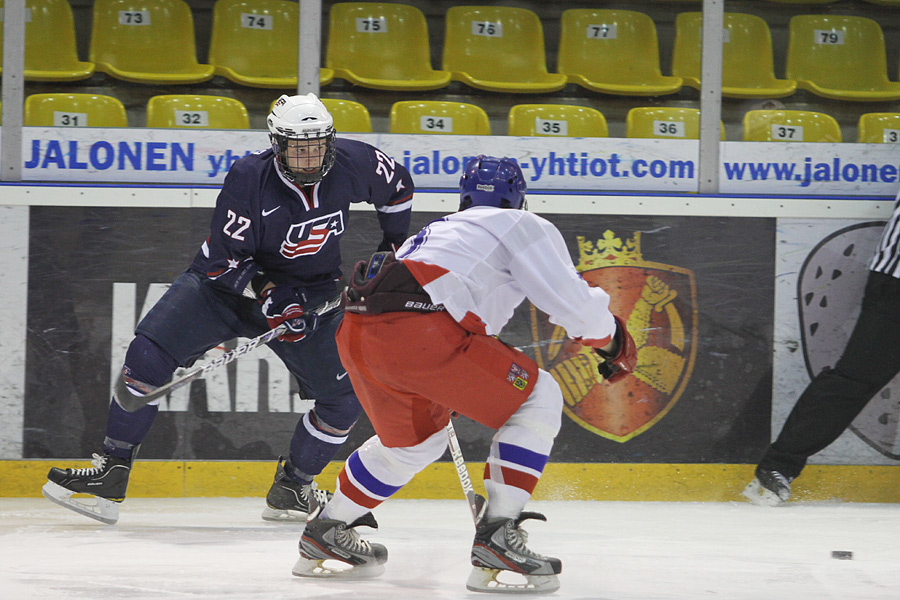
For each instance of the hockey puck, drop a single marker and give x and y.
(842, 554)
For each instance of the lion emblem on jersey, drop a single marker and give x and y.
(658, 304)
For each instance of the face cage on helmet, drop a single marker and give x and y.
(279, 145)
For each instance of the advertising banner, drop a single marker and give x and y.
(202, 157)
(822, 266)
(697, 292)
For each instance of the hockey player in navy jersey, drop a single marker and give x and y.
(443, 297)
(272, 257)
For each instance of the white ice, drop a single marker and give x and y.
(194, 548)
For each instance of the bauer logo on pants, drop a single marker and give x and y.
(658, 304)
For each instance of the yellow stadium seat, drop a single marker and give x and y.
(196, 112)
(560, 120)
(790, 126)
(348, 115)
(381, 45)
(840, 57)
(665, 122)
(50, 51)
(747, 64)
(613, 52)
(498, 49)
(255, 43)
(146, 42)
(879, 128)
(74, 110)
(448, 118)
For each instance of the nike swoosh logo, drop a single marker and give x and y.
(339, 377)
(266, 213)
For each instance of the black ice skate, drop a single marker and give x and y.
(769, 488)
(290, 500)
(331, 548)
(499, 548)
(106, 481)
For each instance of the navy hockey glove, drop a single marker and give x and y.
(281, 304)
(623, 361)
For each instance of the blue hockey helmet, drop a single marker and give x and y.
(491, 181)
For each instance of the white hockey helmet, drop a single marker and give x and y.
(301, 118)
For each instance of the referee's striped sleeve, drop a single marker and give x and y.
(887, 254)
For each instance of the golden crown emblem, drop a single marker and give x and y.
(608, 251)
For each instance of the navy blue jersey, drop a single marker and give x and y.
(264, 223)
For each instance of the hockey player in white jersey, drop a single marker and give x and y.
(444, 296)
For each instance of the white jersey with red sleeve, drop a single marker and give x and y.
(481, 263)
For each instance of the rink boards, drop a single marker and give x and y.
(561, 481)
(82, 263)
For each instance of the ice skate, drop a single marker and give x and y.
(331, 548)
(290, 500)
(106, 482)
(769, 488)
(504, 564)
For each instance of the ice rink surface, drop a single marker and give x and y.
(210, 548)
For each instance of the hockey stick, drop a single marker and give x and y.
(477, 502)
(131, 402)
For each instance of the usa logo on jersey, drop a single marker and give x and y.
(307, 238)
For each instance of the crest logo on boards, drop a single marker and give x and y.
(658, 303)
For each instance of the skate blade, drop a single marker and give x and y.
(103, 510)
(760, 496)
(500, 581)
(283, 516)
(330, 568)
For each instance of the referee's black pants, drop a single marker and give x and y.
(836, 396)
